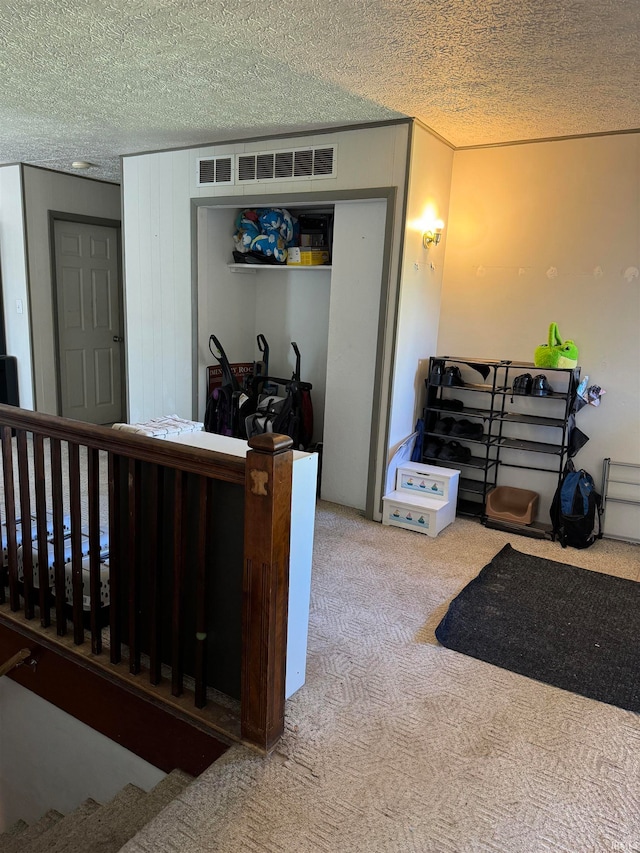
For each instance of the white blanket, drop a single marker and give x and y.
(158, 427)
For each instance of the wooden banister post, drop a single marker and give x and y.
(267, 533)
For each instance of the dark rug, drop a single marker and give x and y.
(569, 627)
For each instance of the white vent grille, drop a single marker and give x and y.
(215, 170)
(323, 161)
(264, 166)
(247, 168)
(284, 164)
(303, 164)
(289, 165)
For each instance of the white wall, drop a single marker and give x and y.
(421, 283)
(158, 291)
(13, 266)
(542, 233)
(294, 306)
(50, 760)
(44, 191)
(226, 301)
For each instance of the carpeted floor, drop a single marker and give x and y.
(396, 743)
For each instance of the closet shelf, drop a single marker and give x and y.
(251, 269)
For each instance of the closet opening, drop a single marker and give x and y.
(334, 311)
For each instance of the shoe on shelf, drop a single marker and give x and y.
(444, 425)
(433, 447)
(435, 377)
(522, 384)
(540, 386)
(452, 376)
(467, 429)
(453, 451)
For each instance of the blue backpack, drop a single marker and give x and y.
(575, 509)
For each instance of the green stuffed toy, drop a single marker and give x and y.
(557, 353)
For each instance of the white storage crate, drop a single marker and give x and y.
(429, 481)
(426, 515)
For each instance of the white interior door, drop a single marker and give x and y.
(89, 321)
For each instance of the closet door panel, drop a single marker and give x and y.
(358, 246)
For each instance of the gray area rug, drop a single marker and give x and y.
(398, 744)
(567, 626)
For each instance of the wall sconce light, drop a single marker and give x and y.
(432, 237)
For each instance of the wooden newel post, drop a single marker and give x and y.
(267, 533)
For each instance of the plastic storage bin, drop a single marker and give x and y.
(510, 504)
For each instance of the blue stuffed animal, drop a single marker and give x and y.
(269, 231)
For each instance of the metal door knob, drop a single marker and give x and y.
(117, 339)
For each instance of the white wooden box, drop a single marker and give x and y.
(429, 481)
(426, 515)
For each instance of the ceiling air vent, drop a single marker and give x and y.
(247, 167)
(298, 163)
(215, 170)
(284, 164)
(303, 167)
(264, 166)
(323, 161)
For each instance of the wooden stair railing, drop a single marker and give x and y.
(198, 554)
(15, 660)
(267, 531)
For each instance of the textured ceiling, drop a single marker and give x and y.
(96, 79)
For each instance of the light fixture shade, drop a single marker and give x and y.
(81, 164)
(432, 236)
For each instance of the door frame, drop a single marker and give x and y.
(61, 216)
(388, 307)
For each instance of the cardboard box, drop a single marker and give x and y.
(307, 257)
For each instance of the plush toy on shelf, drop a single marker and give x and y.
(557, 353)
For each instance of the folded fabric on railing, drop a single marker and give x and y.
(159, 427)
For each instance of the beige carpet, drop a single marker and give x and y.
(398, 744)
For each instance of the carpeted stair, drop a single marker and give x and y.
(92, 827)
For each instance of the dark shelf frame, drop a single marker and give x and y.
(496, 415)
